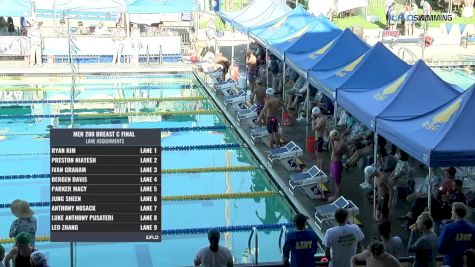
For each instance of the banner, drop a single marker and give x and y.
(171, 45)
(14, 46)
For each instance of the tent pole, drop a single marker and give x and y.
(283, 87)
(232, 50)
(335, 109)
(429, 191)
(307, 110)
(375, 164)
(267, 70)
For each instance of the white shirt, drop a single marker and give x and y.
(208, 258)
(343, 241)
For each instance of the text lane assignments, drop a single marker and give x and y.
(105, 185)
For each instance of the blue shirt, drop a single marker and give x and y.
(302, 245)
(425, 248)
(454, 240)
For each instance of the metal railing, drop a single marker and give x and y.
(283, 232)
(404, 51)
(249, 244)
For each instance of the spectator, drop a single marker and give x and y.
(251, 64)
(387, 6)
(319, 122)
(400, 177)
(34, 33)
(423, 242)
(297, 86)
(2, 255)
(393, 19)
(392, 245)
(376, 256)
(456, 237)
(81, 29)
(38, 259)
(449, 178)
(136, 44)
(118, 37)
(11, 26)
(457, 195)
(62, 30)
(25, 221)
(409, 20)
(342, 241)
(301, 244)
(214, 255)
(339, 148)
(388, 162)
(21, 252)
(383, 192)
(470, 257)
(3, 26)
(271, 111)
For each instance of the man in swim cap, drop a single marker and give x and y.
(339, 148)
(319, 123)
(271, 111)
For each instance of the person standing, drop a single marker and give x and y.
(342, 241)
(118, 37)
(392, 245)
(25, 221)
(223, 61)
(20, 254)
(260, 96)
(376, 256)
(62, 30)
(271, 111)
(339, 148)
(36, 41)
(136, 44)
(409, 20)
(382, 184)
(301, 244)
(387, 6)
(319, 123)
(456, 237)
(251, 65)
(423, 242)
(214, 255)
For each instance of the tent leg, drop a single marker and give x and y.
(307, 102)
(375, 164)
(429, 191)
(232, 51)
(335, 109)
(283, 87)
(267, 70)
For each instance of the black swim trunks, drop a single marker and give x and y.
(383, 205)
(319, 144)
(272, 125)
(259, 108)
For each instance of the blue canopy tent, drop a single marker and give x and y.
(295, 22)
(440, 138)
(163, 6)
(256, 13)
(15, 8)
(324, 51)
(363, 72)
(397, 98)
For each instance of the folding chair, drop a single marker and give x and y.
(310, 177)
(290, 150)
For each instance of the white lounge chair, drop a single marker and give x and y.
(239, 97)
(222, 86)
(246, 114)
(291, 150)
(312, 176)
(258, 132)
(326, 212)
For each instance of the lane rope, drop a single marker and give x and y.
(90, 87)
(112, 115)
(105, 100)
(186, 231)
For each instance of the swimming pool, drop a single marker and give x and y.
(456, 76)
(182, 107)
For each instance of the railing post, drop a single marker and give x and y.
(256, 254)
(148, 57)
(160, 55)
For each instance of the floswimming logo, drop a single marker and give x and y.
(277, 24)
(413, 18)
(391, 89)
(350, 67)
(298, 34)
(443, 116)
(321, 51)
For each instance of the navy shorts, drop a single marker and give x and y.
(272, 125)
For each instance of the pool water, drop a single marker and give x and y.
(24, 147)
(456, 76)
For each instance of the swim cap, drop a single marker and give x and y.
(369, 171)
(333, 133)
(316, 111)
(270, 91)
(38, 258)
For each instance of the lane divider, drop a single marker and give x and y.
(186, 231)
(241, 195)
(89, 87)
(105, 100)
(111, 115)
(165, 171)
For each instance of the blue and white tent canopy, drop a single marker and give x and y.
(415, 93)
(440, 138)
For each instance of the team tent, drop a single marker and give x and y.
(256, 13)
(405, 97)
(279, 30)
(15, 8)
(440, 138)
(325, 52)
(375, 68)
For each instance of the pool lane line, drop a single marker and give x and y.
(164, 129)
(165, 86)
(186, 231)
(240, 195)
(112, 115)
(110, 100)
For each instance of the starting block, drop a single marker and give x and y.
(325, 213)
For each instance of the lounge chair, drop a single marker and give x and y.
(238, 97)
(310, 177)
(258, 132)
(325, 212)
(222, 86)
(246, 114)
(288, 151)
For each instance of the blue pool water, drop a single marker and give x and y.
(25, 147)
(456, 76)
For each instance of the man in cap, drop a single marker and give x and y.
(251, 63)
(214, 255)
(271, 111)
(260, 95)
(25, 221)
(382, 184)
(339, 147)
(302, 244)
(319, 123)
(38, 259)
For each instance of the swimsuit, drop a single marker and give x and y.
(251, 74)
(272, 125)
(335, 170)
(319, 144)
(383, 205)
(259, 108)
